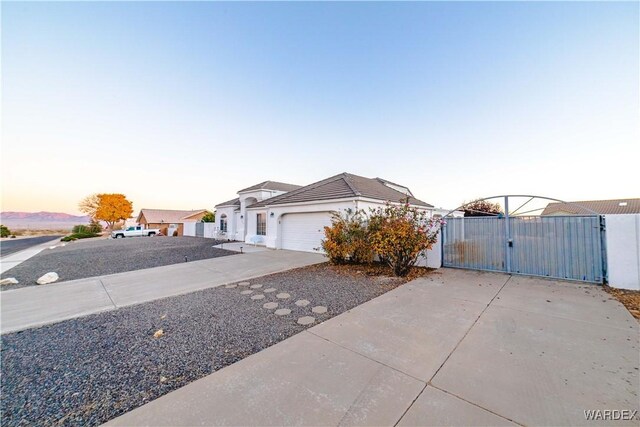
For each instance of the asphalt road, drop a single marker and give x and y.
(8, 247)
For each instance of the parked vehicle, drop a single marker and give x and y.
(136, 231)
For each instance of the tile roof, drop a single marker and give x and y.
(232, 202)
(603, 207)
(271, 185)
(341, 186)
(156, 216)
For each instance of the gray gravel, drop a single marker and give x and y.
(81, 259)
(89, 370)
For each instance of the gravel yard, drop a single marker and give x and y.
(77, 260)
(92, 369)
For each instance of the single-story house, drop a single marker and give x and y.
(287, 216)
(170, 222)
(588, 207)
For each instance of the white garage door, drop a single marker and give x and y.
(304, 231)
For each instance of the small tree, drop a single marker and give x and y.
(482, 208)
(4, 231)
(89, 205)
(346, 240)
(399, 234)
(113, 208)
(209, 217)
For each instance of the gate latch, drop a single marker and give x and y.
(510, 242)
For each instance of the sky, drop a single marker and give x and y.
(179, 105)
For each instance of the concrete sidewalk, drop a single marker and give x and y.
(39, 305)
(9, 261)
(456, 348)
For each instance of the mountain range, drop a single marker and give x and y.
(41, 220)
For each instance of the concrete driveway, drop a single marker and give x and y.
(455, 348)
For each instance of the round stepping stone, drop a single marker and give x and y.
(306, 320)
(319, 309)
(230, 286)
(302, 303)
(244, 284)
(247, 292)
(283, 295)
(270, 305)
(259, 296)
(268, 290)
(282, 311)
(256, 286)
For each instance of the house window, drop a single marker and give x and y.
(223, 223)
(262, 225)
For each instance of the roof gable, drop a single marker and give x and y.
(341, 186)
(271, 185)
(158, 216)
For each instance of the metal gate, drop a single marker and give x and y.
(199, 229)
(563, 247)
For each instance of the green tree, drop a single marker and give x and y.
(209, 217)
(4, 231)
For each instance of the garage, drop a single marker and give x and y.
(304, 231)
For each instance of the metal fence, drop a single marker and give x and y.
(564, 247)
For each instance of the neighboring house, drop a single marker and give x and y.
(168, 221)
(286, 216)
(588, 207)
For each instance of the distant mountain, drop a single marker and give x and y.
(41, 220)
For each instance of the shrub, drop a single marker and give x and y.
(346, 240)
(80, 229)
(399, 234)
(95, 227)
(81, 235)
(209, 217)
(4, 231)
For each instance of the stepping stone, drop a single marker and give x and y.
(256, 286)
(259, 296)
(269, 290)
(247, 292)
(319, 309)
(270, 305)
(230, 286)
(302, 303)
(244, 284)
(283, 295)
(306, 320)
(282, 311)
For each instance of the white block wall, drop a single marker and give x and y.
(189, 229)
(623, 251)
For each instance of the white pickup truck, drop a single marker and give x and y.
(136, 231)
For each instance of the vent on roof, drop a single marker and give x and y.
(622, 204)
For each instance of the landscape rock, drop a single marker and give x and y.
(9, 281)
(48, 278)
(158, 333)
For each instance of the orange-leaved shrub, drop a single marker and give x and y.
(346, 240)
(400, 234)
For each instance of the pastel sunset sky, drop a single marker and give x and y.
(179, 105)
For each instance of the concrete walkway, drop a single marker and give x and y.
(40, 305)
(458, 348)
(9, 261)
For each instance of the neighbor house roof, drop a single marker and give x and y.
(232, 202)
(587, 207)
(157, 216)
(344, 185)
(271, 185)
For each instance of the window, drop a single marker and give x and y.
(223, 223)
(261, 229)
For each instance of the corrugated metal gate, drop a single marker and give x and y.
(563, 247)
(199, 229)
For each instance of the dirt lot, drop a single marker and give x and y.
(80, 259)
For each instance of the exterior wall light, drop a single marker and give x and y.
(272, 215)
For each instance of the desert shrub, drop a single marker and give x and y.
(4, 231)
(399, 234)
(81, 235)
(80, 229)
(346, 240)
(95, 227)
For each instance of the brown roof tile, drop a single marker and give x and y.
(587, 207)
(341, 186)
